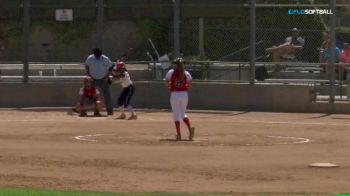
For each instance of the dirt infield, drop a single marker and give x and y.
(233, 151)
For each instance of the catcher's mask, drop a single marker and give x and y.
(87, 80)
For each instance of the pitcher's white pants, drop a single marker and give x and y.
(178, 101)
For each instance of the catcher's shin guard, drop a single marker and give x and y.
(97, 109)
(98, 105)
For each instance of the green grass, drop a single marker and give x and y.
(34, 192)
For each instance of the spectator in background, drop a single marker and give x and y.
(288, 48)
(325, 38)
(344, 58)
(326, 55)
(345, 54)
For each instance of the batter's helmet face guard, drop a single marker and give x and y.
(120, 65)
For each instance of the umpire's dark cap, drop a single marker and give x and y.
(97, 50)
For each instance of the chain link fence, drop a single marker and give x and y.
(214, 35)
(131, 24)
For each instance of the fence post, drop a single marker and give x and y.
(176, 28)
(201, 39)
(99, 23)
(252, 40)
(25, 39)
(333, 51)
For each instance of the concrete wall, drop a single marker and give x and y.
(207, 96)
(47, 44)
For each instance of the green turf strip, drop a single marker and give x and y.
(33, 192)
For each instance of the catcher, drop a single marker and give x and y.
(128, 91)
(88, 96)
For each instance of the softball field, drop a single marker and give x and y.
(233, 152)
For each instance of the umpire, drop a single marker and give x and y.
(99, 68)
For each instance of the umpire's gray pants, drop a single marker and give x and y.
(103, 85)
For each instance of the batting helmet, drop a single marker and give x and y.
(120, 65)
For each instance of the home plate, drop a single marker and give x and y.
(323, 165)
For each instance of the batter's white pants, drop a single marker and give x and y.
(178, 101)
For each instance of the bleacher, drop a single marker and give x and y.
(292, 73)
(312, 74)
(13, 72)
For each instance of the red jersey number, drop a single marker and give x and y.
(176, 84)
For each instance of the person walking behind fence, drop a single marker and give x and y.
(344, 58)
(179, 81)
(99, 67)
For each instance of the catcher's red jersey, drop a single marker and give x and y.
(175, 84)
(90, 93)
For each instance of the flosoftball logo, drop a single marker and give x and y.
(309, 11)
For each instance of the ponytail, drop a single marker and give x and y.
(181, 69)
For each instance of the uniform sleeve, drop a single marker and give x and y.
(109, 62)
(81, 91)
(188, 75)
(301, 41)
(87, 61)
(127, 76)
(169, 74)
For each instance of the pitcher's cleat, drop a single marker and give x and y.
(191, 136)
(178, 137)
(122, 116)
(133, 117)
